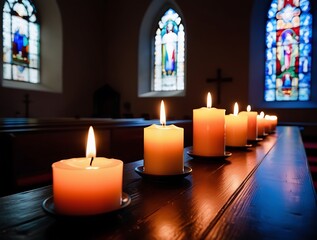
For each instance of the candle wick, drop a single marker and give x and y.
(92, 158)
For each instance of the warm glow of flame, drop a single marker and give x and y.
(91, 144)
(248, 108)
(209, 100)
(262, 114)
(236, 109)
(162, 114)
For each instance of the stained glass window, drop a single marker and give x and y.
(169, 53)
(21, 41)
(288, 51)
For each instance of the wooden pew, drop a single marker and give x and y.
(264, 192)
(30, 146)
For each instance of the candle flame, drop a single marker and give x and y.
(262, 114)
(91, 144)
(209, 100)
(236, 109)
(162, 114)
(248, 108)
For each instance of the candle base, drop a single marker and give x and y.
(199, 157)
(245, 147)
(264, 135)
(48, 206)
(176, 177)
(255, 140)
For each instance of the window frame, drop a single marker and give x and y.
(51, 59)
(257, 60)
(30, 37)
(146, 49)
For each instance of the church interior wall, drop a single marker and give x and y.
(100, 46)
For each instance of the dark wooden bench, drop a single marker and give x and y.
(264, 192)
(30, 146)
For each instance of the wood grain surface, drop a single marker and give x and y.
(262, 192)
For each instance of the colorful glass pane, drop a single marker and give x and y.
(20, 41)
(169, 53)
(288, 51)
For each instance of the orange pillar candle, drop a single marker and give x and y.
(271, 122)
(87, 186)
(163, 148)
(252, 123)
(236, 128)
(268, 124)
(209, 130)
(273, 119)
(261, 124)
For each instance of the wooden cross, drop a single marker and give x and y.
(219, 80)
(26, 103)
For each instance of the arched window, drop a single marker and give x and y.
(21, 41)
(282, 67)
(169, 53)
(162, 51)
(31, 49)
(288, 54)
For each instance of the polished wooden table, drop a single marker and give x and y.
(262, 192)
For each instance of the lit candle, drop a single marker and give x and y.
(268, 124)
(252, 123)
(209, 130)
(87, 186)
(261, 124)
(271, 123)
(236, 128)
(274, 121)
(163, 148)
